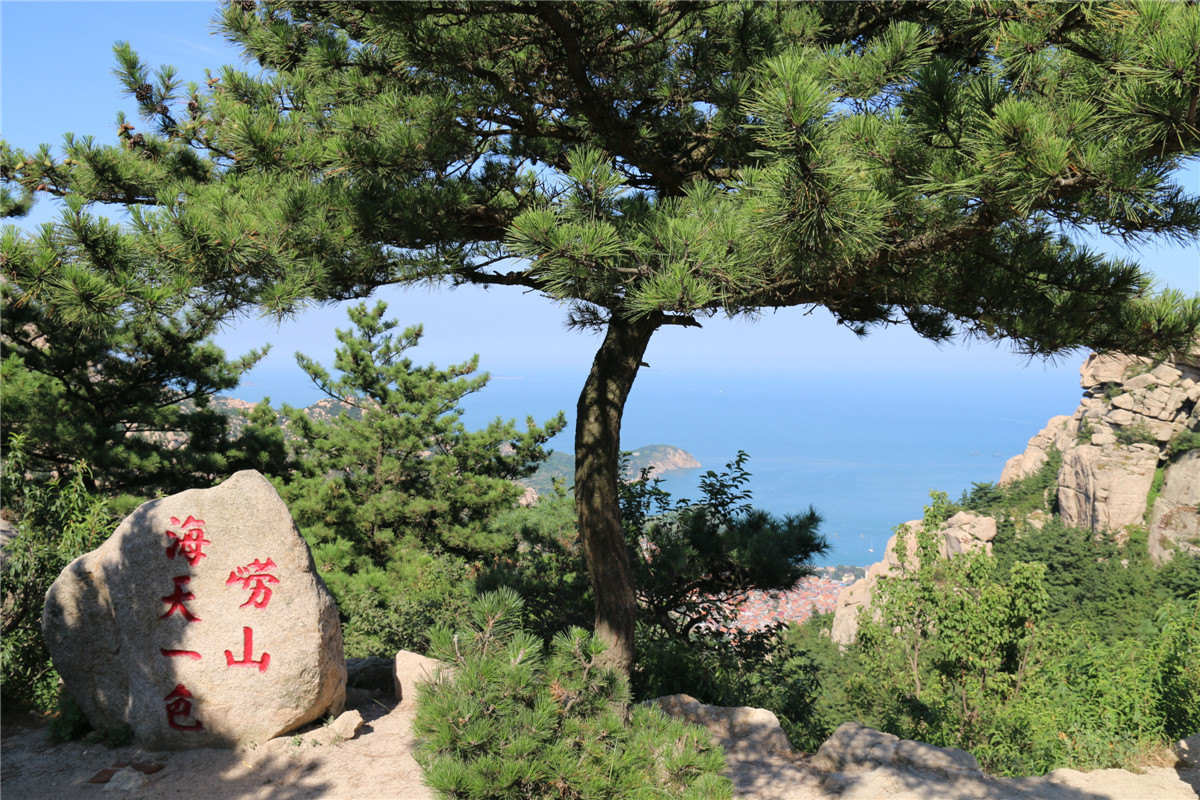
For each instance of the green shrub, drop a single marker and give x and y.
(513, 721)
(1177, 678)
(57, 521)
(1137, 433)
(1183, 442)
(390, 608)
(545, 567)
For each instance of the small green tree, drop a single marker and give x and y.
(512, 720)
(695, 564)
(394, 493)
(397, 466)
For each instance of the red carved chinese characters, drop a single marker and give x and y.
(177, 598)
(247, 654)
(192, 654)
(255, 577)
(189, 542)
(179, 706)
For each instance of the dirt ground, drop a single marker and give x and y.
(377, 764)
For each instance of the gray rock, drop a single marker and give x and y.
(411, 669)
(200, 622)
(342, 729)
(1188, 750)
(1105, 488)
(853, 743)
(946, 760)
(734, 726)
(1107, 368)
(125, 780)
(1060, 433)
(1175, 518)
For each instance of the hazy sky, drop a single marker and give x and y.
(56, 71)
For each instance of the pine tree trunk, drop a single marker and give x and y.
(597, 464)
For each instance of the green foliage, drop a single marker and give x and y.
(1156, 484)
(1094, 580)
(761, 669)
(1183, 442)
(1177, 678)
(392, 608)
(708, 158)
(1065, 649)
(56, 521)
(1018, 498)
(697, 562)
(395, 494)
(516, 720)
(403, 469)
(125, 391)
(1136, 433)
(546, 567)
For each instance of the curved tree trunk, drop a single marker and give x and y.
(597, 464)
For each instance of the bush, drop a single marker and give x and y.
(57, 521)
(390, 608)
(512, 721)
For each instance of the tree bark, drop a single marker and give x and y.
(597, 466)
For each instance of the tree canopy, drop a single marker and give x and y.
(652, 164)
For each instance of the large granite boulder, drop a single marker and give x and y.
(200, 622)
(1175, 518)
(1105, 488)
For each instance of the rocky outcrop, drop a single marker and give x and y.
(1132, 414)
(1059, 434)
(965, 532)
(1175, 523)
(1123, 442)
(1104, 488)
(200, 622)
(864, 764)
(659, 459)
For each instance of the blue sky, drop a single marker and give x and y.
(56, 76)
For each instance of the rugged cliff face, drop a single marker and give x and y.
(1130, 452)
(1130, 457)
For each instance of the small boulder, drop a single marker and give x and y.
(1188, 750)
(200, 622)
(854, 743)
(734, 726)
(411, 669)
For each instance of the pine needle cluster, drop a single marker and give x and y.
(513, 719)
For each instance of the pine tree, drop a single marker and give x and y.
(652, 164)
(121, 384)
(396, 466)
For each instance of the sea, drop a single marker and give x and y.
(864, 448)
(864, 451)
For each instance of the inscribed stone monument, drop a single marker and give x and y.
(200, 622)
